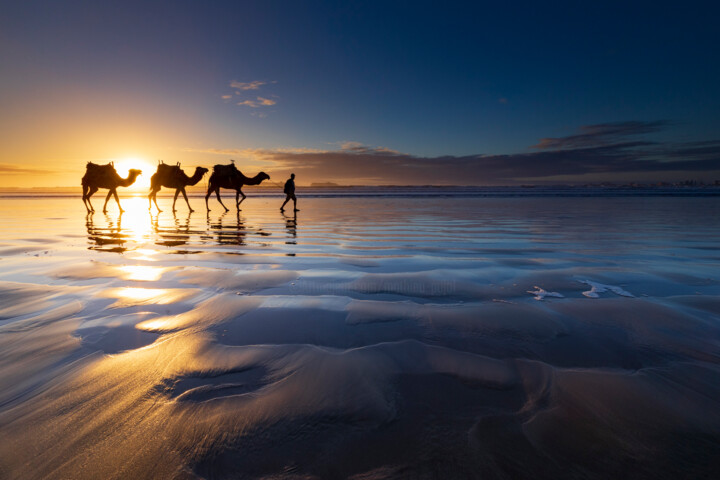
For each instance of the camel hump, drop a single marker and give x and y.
(168, 169)
(100, 169)
(225, 169)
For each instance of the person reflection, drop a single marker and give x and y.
(291, 227)
(108, 237)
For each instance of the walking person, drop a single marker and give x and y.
(290, 193)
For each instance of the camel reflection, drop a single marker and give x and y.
(133, 232)
(108, 237)
(171, 235)
(226, 230)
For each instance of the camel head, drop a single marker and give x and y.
(202, 171)
(133, 173)
(263, 176)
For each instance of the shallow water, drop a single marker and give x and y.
(439, 337)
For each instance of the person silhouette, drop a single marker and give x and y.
(290, 193)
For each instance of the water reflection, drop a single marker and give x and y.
(135, 296)
(140, 230)
(291, 227)
(108, 237)
(226, 230)
(142, 273)
(174, 235)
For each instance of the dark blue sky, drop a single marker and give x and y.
(427, 80)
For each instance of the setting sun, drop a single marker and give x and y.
(143, 181)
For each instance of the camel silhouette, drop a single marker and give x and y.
(172, 176)
(104, 176)
(228, 176)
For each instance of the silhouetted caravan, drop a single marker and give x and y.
(172, 176)
(104, 176)
(228, 176)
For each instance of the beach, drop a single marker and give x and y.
(365, 337)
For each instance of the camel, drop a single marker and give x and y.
(104, 176)
(173, 177)
(228, 176)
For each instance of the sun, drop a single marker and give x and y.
(142, 183)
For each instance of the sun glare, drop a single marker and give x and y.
(142, 183)
(136, 220)
(142, 273)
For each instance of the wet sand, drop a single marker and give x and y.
(363, 338)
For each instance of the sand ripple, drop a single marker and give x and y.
(395, 342)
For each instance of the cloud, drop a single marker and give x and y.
(266, 102)
(252, 152)
(626, 161)
(601, 134)
(255, 85)
(357, 147)
(636, 161)
(259, 102)
(9, 169)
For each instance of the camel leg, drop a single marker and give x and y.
(237, 203)
(117, 200)
(90, 194)
(106, 200)
(186, 199)
(217, 194)
(84, 197)
(177, 192)
(155, 200)
(212, 188)
(207, 195)
(87, 193)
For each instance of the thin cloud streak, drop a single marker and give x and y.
(255, 85)
(8, 169)
(634, 160)
(391, 168)
(601, 134)
(260, 102)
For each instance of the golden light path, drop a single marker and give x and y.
(133, 296)
(135, 220)
(142, 273)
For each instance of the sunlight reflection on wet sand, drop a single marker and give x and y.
(142, 272)
(141, 296)
(387, 341)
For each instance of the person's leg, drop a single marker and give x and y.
(295, 202)
(287, 198)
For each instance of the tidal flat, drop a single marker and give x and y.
(366, 338)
